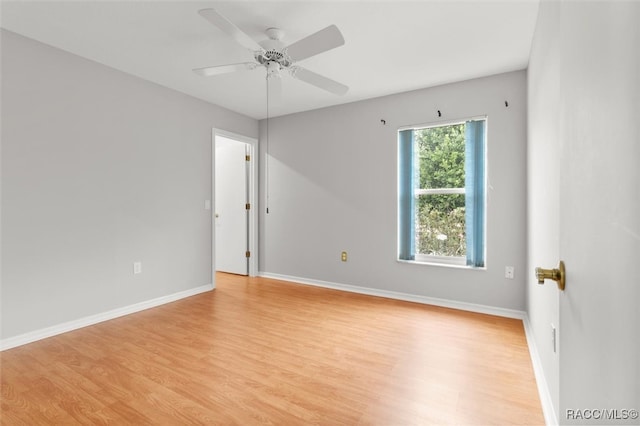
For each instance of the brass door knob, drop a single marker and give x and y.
(558, 275)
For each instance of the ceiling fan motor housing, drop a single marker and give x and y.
(274, 56)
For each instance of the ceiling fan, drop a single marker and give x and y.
(275, 56)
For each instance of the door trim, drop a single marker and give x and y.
(253, 198)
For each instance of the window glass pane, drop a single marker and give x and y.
(440, 154)
(441, 193)
(440, 225)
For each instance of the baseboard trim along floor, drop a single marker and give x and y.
(445, 303)
(33, 336)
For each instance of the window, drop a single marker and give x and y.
(441, 188)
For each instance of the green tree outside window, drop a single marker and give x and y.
(440, 217)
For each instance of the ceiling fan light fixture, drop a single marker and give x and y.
(273, 69)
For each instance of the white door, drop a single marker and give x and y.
(231, 198)
(600, 213)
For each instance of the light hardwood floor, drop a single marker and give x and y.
(260, 351)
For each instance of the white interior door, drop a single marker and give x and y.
(600, 214)
(231, 197)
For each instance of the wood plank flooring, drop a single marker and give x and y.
(261, 351)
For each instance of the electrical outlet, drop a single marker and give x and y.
(343, 256)
(509, 272)
(137, 267)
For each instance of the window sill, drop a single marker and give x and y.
(442, 264)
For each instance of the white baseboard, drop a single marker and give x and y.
(550, 418)
(445, 303)
(33, 336)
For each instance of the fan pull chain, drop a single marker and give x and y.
(266, 156)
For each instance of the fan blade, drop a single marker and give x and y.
(228, 27)
(223, 69)
(319, 81)
(326, 39)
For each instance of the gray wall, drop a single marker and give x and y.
(99, 169)
(332, 187)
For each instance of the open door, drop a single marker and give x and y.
(600, 213)
(597, 181)
(231, 206)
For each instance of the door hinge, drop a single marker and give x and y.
(247, 254)
(247, 206)
(247, 158)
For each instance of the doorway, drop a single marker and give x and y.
(234, 222)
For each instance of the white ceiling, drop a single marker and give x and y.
(391, 46)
